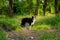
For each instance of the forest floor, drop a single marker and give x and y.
(51, 34)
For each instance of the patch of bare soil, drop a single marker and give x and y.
(30, 34)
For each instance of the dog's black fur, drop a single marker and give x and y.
(27, 20)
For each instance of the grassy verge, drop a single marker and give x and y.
(42, 22)
(48, 23)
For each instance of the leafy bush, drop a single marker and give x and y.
(10, 22)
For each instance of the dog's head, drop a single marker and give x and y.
(33, 17)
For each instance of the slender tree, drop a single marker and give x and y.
(10, 8)
(49, 9)
(44, 6)
(37, 7)
(56, 7)
(29, 6)
(30, 3)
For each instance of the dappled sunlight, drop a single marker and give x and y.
(39, 17)
(50, 14)
(18, 29)
(42, 27)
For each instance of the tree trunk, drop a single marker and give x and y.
(49, 9)
(10, 8)
(56, 7)
(30, 3)
(37, 7)
(44, 6)
(29, 7)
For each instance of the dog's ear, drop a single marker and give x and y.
(33, 17)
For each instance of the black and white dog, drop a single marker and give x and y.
(30, 21)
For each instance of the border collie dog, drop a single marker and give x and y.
(30, 21)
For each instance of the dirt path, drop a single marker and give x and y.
(31, 35)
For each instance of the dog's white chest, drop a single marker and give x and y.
(33, 21)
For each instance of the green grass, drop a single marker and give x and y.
(13, 23)
(50, 36)
(2, 35)
(10, 22)
(42, 23)
(47, 22)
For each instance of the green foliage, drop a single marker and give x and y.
(46, 23)
(41, 23)
(23, 7)
(50, 36)
(54, 21)
(10, 22)
(2, 35)
(4, 7)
